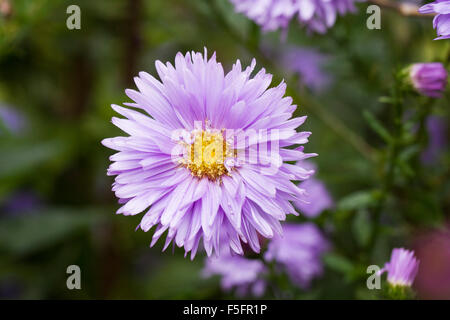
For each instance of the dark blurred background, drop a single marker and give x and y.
(56, 86)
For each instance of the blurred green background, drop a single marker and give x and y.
(56, 207)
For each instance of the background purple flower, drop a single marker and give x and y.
(245, 275)
(317, 199)
(441, 21)
(208, 197)
(308, 64)
(429, 79)
(299, 252)
(437, 139)
(402, 268)
(316, 15)
(11, 119)
(433, 251)
(21, 202)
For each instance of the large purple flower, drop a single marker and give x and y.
(299, 252)
(430, 79)
(441, 21)
(187, 161)
(244, 275)
(316, 15)
(402, 268)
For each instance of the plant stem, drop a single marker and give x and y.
(308, 101)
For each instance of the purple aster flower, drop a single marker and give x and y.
(186, 159)
(441, 21)
(402, 268)
(316, 200)
(429, 79)
(316, 15)
(437, 139)
(299, 252)
(245, 275)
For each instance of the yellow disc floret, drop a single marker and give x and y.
(206, 155)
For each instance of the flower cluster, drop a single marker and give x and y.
(298, 252)
(316, 15)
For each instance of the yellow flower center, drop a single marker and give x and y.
(206, 156)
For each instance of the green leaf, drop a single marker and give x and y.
(377, 126)
(19, 158)
(338, 263)
(385, 99)
(409, 152)
(357, 200)
(34, 231)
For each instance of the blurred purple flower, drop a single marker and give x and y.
(441, 21)
(11, 288)
(11, 119)
(429, 79)
(206, 197)
(21, 202)
(437, 139)
(316, 200)
(402, 268)
(245, 275)
(316, 15)
(299, 252)
(433, 251)
(308, 63)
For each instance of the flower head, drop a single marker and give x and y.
(402, 268)
(244, 275)
(441, 21)
(299, 252)
(429, 79)
(205, 160)
(316, 15)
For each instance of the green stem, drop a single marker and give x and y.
(393, 150)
